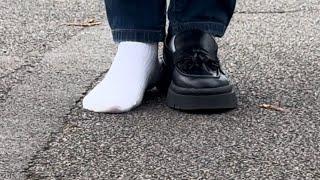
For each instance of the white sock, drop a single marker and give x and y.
(135, 67)
(172, 46)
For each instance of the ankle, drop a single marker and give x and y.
(137, 45)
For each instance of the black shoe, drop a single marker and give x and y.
(194, 78)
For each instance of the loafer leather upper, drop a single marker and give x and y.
(195, 64)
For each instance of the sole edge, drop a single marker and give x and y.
(202, 102)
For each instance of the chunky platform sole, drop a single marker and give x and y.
(201, 102)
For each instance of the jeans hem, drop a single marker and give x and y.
(146, 36)
(214, 28)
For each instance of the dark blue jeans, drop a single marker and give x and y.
(145, 20)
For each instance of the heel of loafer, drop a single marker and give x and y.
(166, 72)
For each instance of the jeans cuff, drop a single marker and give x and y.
(213, 28)
(146, 36)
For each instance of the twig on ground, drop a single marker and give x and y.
(87, 23)
(273, 107)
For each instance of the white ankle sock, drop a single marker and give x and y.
(135, 67)
(171, 45)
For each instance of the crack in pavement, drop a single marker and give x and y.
(22, 67)
(27, 68)
(48, 96)
(13, 80)
(276, 12)
(53, 135)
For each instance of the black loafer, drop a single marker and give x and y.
(193, 77)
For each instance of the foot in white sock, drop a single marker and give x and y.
(135, 66)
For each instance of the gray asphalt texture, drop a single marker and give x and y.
(271, 52)
(31, 102)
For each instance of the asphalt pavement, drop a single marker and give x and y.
(271, 52)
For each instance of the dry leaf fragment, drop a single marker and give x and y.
(87, 23)
(91, 21)
(273, 107)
